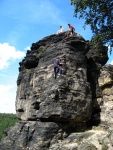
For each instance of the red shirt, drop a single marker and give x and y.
(71, 27)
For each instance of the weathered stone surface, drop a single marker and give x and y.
(68, 98)
(34, 134)
(88, 146)
(72, 112)
(106, 84)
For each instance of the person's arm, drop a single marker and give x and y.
(61, 63)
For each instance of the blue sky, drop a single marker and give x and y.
(23, 22)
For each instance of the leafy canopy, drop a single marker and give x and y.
(99, 15)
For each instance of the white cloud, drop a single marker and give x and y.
(5, 88)
(8, 53)
(7, 99)
(27, 48)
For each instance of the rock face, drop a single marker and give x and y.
(106, 84)
(55, 113)
(68, 98)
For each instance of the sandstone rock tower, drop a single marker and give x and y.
(52, 111)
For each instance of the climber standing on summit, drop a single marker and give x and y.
(57, 67)
(71, 30)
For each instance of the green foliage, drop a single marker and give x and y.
(104, 147)
(28, 71)
(98, 44)
(6, 121)
(99, 15)
(41, 50)
(97, 41)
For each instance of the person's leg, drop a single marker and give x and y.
(55, 72)
(72, 31)
(60, 70)
(67, 33)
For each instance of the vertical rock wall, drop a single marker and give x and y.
(67, 98)
(106, 102)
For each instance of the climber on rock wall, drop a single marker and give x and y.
(57, 67)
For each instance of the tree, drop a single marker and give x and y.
(99, 15)
(6, 121)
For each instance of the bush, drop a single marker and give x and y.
(6, 121)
